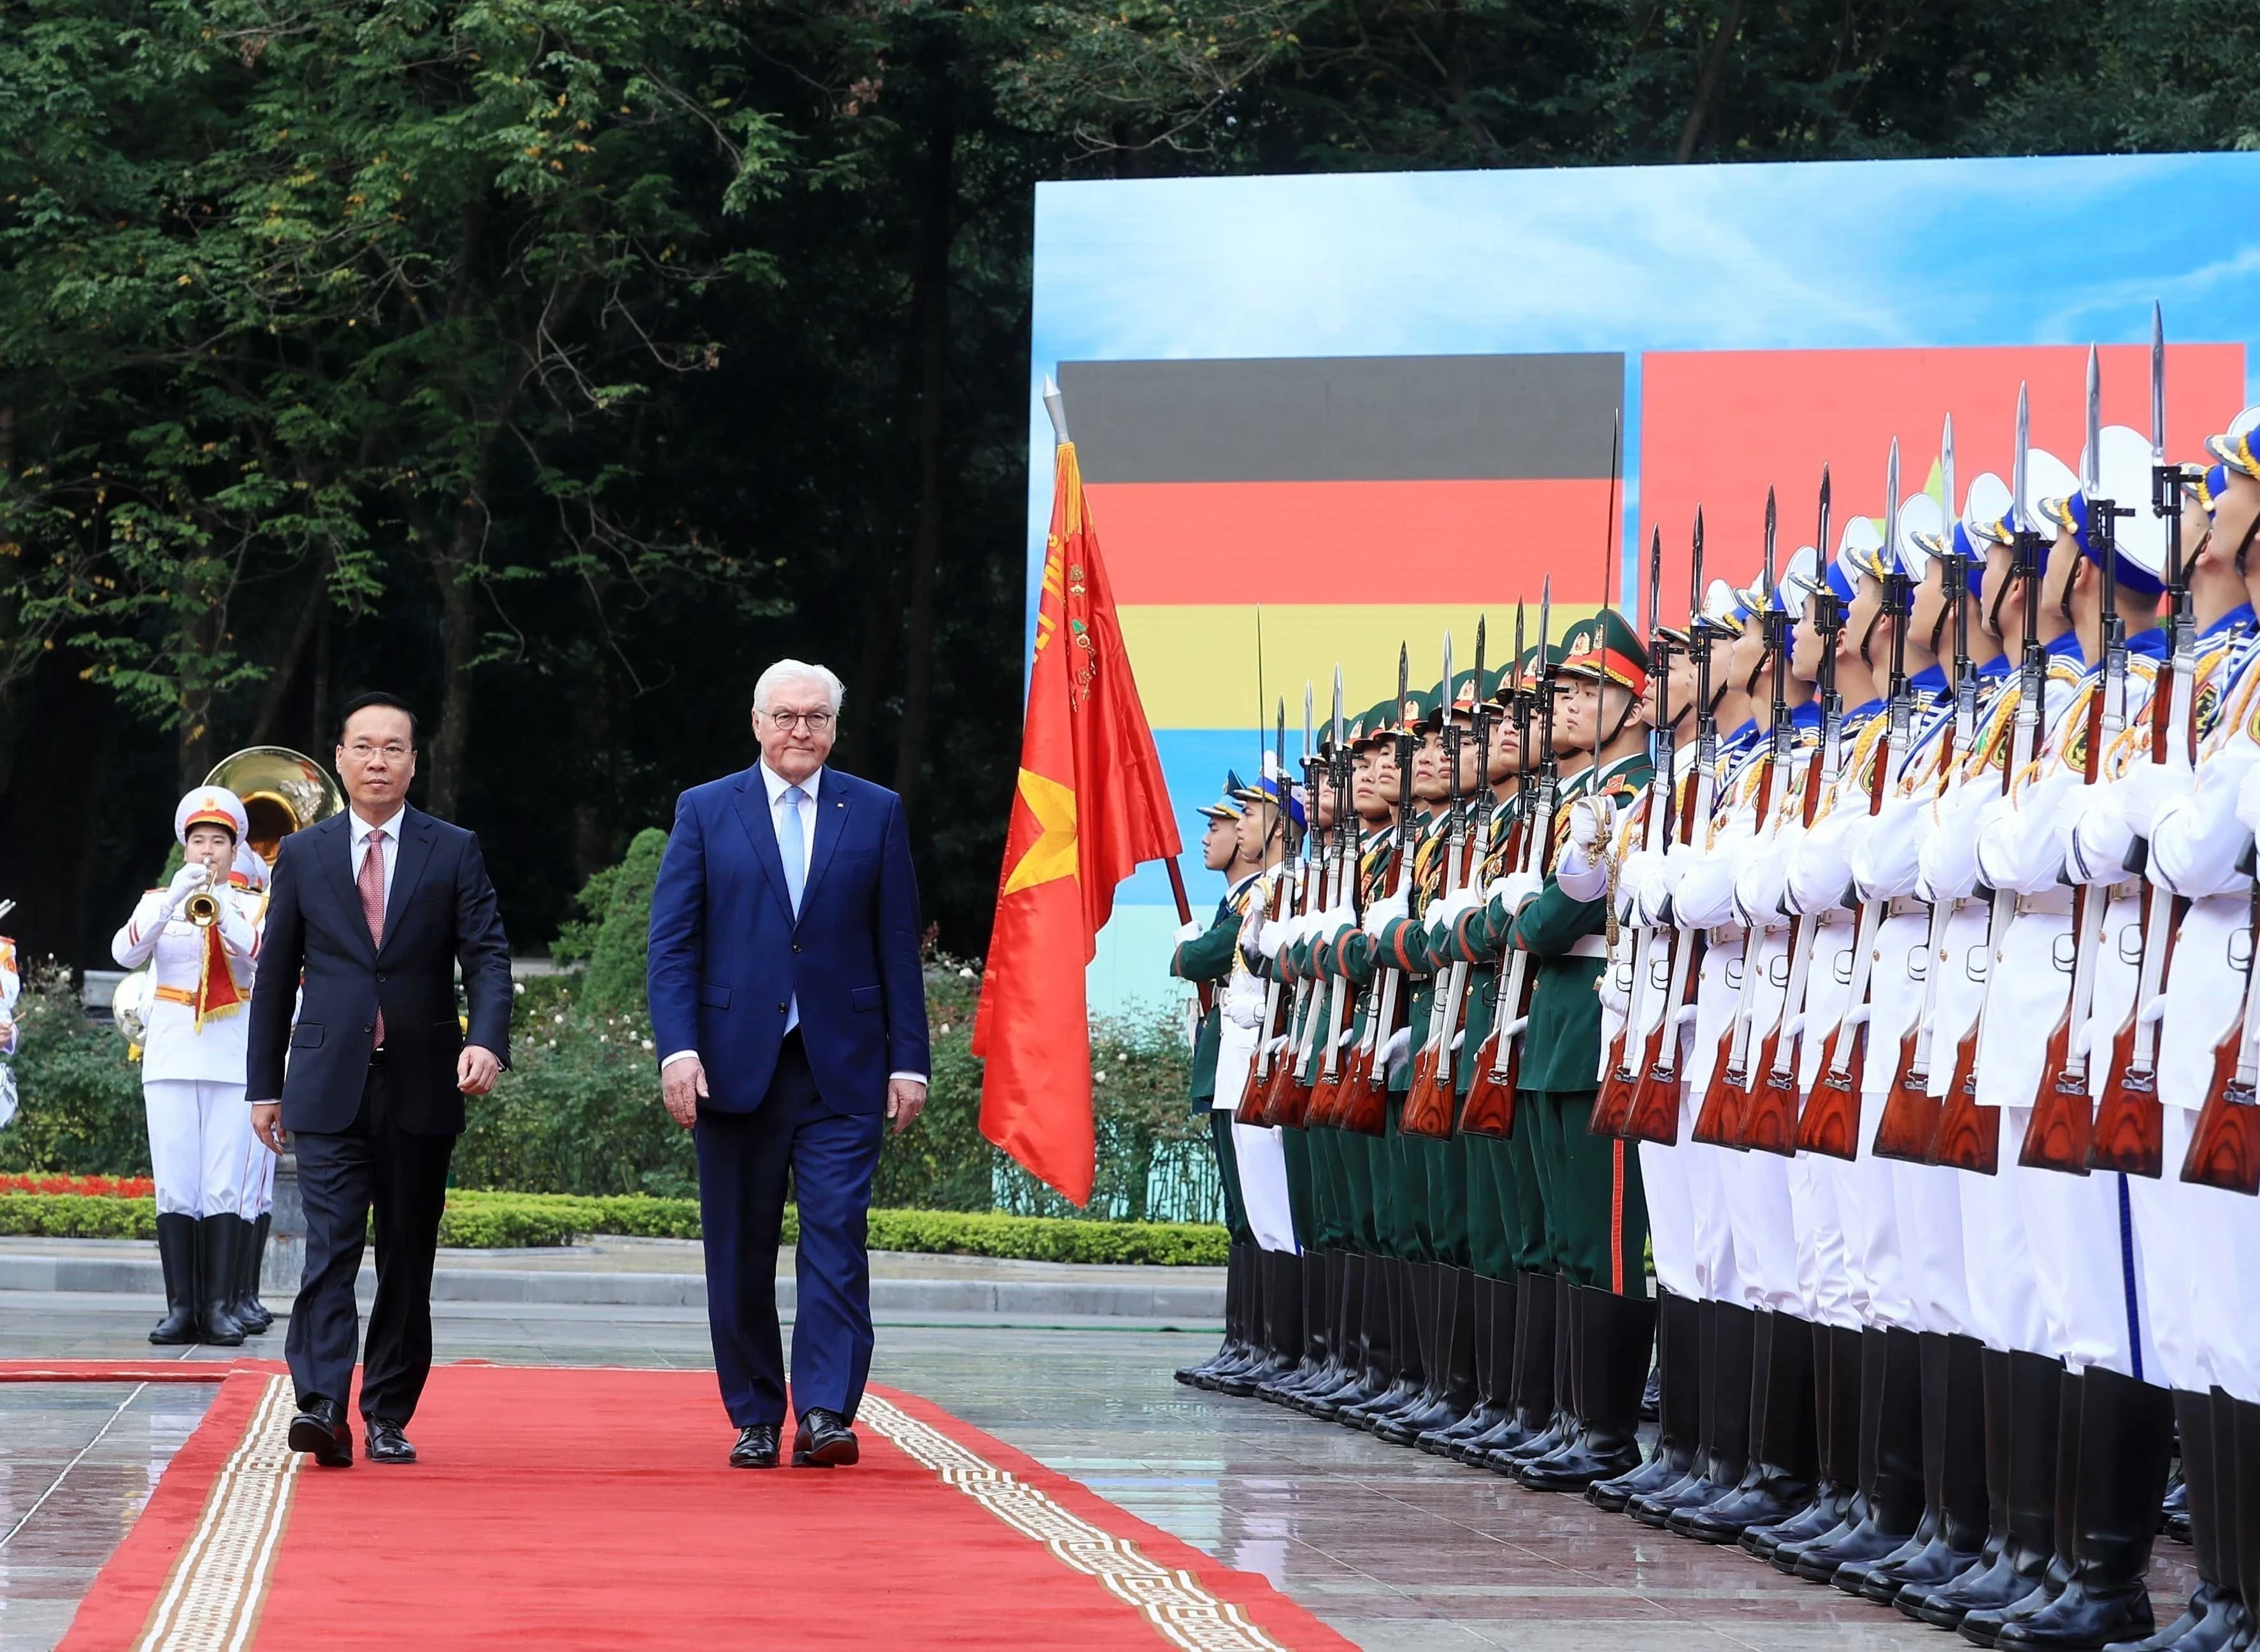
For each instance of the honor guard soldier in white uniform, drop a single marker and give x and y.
(199, 935)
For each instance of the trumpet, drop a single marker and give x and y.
(202, 909)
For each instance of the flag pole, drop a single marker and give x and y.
(1055, 407)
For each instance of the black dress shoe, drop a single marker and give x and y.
(756, 1447)
(387, 1443)
(321, 1430)
(823, 1441)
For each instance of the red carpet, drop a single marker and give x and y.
(591, 1508)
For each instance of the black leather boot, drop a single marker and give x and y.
(2036, 1400)
(1246, 1351)
(1311, 1350)
(1837, 1499)
(2126, 1443)
(1349, 1388)
(1530, 1375)
(250, 1313)
(2173, 1513)
(1616, 1341)
(1996, 1377)
(2216, 1614)
(1954, 1522)
(1278, 1296)
(1890, 1454)
(1400, 1360)
(1562, 1422)
(216, 1247)
(1725, 1457)
(1468, 1357)
(1494, 1409)
(1784, 1453)
(176, 1256)
(1203, 1373)
(1680, 1407)
(1439, 1299)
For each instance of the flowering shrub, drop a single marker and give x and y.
(100, 1186)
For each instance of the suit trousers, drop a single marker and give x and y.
(743, 1160)
(374, 1168)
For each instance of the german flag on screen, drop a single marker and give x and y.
(1359, 501)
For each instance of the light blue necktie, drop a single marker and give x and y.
(791, 846)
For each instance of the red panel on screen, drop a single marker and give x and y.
(1718, 426)
(1460, 541)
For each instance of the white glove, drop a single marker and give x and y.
(1445, 915)
(1243, 1004)
(1514, 891)
(1187, 931)
(191, 877)
(1589, 821)
(1386, 911)
(1395, 1052)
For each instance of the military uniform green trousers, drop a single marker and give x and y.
(1595, 1219)
(1399, 1194)
(1301, 1189)
(1228, 1167)
(1444, 1219)
(1330, 1223)
(1491, 1202)
(1362, 1164)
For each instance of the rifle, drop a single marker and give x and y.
(1718, 1122)
(1831, 1121)
(1249, 1111)
(1285, 1095)
(1653, 1114)
(1969, 1135)
(2062, 1131)
(1364, 1101)
(1909, 1122)
(2224, 1149)
(1769, 1116)
(1490, 1107)
(2129, 1133)
(1434, 1089)
(1323, 1108)
(1516, 982)
(1627, 1064)
(1426, 1113)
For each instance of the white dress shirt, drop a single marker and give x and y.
(359, 847)
(777, 785)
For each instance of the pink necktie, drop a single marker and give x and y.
(372, 906)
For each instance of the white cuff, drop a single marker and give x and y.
(679, 1055)
(915, 1078)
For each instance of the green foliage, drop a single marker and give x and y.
(942, 1162)
(507, 1221)
(79, 1099)
(76, 1216)
(615, 982)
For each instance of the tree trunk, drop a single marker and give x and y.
(459, 642)
(275, 698)
(938, 231)
(1706, 82)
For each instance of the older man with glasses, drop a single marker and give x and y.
(789, 1006)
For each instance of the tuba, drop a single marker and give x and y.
(282, 791)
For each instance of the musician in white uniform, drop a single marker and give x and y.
(199, 936)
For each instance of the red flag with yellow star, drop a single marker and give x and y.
(1091, 805)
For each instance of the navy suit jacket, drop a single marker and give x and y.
(727, 955)
(441, 911)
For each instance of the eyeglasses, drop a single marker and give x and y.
(361, 752)
(814, 722)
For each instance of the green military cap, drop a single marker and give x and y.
(1465, 692)
(1419, 706)
(1374, 723)
(1229, 806)
(1607, 648)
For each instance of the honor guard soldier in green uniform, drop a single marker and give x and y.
(1204, 956)
(1595, 1219)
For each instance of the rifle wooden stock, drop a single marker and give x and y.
(2224, 1149)
(1612, 1101)
(1769, 1113)
(1428, 1103)
(1908, 1128)
(1718, 1120)
(1630, 1059)
(2130, 1121)
(2062, 1124)
(1969, 1135)
(1489, 1109)
(1654, 1114)
(1365, 1098)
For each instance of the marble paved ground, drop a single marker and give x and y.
(1399, 1551)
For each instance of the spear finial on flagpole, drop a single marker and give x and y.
(1056, 405)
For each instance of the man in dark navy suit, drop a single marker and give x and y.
(375, 909)
(789, 1006)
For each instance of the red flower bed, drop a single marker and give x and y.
(108, 1186)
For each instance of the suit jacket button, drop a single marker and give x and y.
(379, 977)
(369, 1026)
(796, 946)
(781, 1008)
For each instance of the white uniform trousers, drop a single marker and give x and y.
(2005, 1299)
(1670, 1218)
(1820, 1196)
(200, 1141)
(1874, 1239)
(1710, 1217)
(1262, 1159)
(258, 1182)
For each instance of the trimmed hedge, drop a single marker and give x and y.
(477, 1221)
